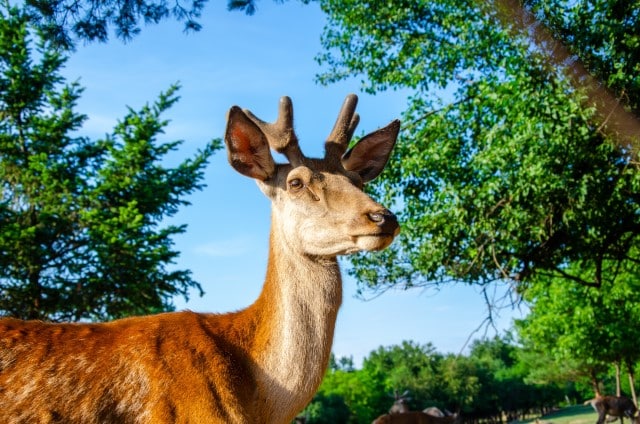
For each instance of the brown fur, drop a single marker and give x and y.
(401, 403)
(144, 369)
(414, 417)
(258, 365)
(615, 406)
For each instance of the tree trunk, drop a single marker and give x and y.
(632, 384)
(596, 383)
(618, 389)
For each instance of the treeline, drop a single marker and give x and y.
(490, 384)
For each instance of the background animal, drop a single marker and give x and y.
(435, 411)
(415, 417)
(614, 406)
(400, 403)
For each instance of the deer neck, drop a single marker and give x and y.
(299, 305)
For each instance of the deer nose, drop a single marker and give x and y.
(385, 220)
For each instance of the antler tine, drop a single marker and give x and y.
(280, 134)
(343, 130)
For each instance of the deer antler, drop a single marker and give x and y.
(280, 134)
(343, 130)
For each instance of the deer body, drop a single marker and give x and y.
(258, 365)
(414, 417)
(614, 406)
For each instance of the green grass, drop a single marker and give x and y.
(578, 414)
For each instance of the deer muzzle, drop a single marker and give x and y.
(386, 221)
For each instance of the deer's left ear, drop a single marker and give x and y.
(369, 156)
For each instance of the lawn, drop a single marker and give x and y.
(578, 414)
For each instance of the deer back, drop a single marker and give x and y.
(414, 417)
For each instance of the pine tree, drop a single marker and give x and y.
(81, 220)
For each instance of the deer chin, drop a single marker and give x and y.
(372, 242)
(355, 244)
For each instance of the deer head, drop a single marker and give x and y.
(318, 204)
(401, 403)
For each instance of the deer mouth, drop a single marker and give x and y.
(373, 242)
(385, 229)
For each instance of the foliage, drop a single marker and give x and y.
(327, 409)
(588, 327)
(485, 384)
(370, 391)
(361, 391)
(408, 366)
(81, 234)
(542, 368)
(508, 386)
(68, 21)
(501, 171)
(463, 391)
(604, 35)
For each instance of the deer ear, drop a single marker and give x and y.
(247, 147)
(369, 156)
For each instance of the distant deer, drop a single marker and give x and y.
(401, 413)
(614, 406)
(261, 364)
(401, 403)
(435, 411)
(415, 417)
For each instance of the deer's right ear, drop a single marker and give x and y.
(247, 147)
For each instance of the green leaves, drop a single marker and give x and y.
(590, 328)
(487, 383)
(81, 221)
(501, 170)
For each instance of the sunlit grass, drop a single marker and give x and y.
(577, 414)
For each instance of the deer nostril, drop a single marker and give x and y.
(383, 216)
(377, 217)
(385, 220)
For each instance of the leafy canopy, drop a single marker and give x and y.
(583, 326)
(503, 169)
(486, 384)
(69, 21)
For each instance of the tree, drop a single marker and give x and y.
(327, 409)
(369, 392)
(359, 390)
(590, 328)
(503, 170)
(67, 21)
(81, 233)
(504, 382)
(540, 367)
(408, 367)
(462, 383)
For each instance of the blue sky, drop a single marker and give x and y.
(251, 61)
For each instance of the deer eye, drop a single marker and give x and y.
(295, 184)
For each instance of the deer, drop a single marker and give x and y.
(401, 403)
(260, 364)
(614, 406)
(415, 417)
(436, 412)
(401, 413)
